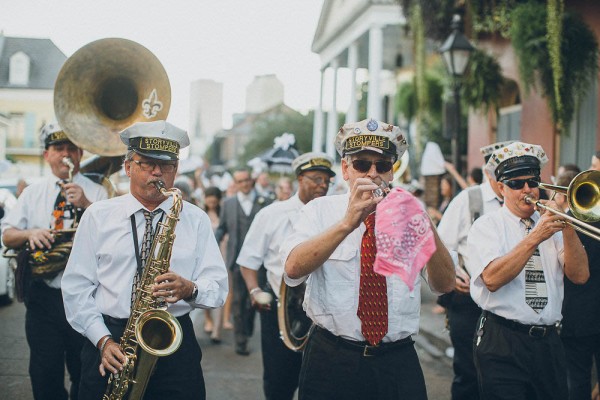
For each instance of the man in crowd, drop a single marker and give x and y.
(517, 257)
(349, 355)
(236, 216)
(270, 227)
(42, 214)
(580, 331)
(107, 269)
(461, 311)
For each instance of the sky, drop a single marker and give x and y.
(229, 41)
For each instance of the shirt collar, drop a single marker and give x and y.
(246, 197)
(535, 216)
(133, 205)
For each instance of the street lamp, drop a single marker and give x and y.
(456, 51)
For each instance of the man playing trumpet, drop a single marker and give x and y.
(516, 258)
(42, 211)
(348, 356)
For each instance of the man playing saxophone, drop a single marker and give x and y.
(39, 220)
(107, 269)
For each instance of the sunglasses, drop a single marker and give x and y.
(517, 184)
(365, 166)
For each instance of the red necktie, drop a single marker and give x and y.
(372, 298)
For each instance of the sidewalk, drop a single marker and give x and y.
(433, 336)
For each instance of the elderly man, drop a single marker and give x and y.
(39, 220)
(462, 313)
(516, 258)
(107, 268)
(270, 227)
(348, 355)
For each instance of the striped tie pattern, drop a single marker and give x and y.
(536, 291)
(372, 299)
(146, 245)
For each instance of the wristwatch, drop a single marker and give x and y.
(194, 293)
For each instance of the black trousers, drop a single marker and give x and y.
(513, 365)
(580, 352)
(281, 366)
(462, 322)
(176, 377)
(333, 370)
(52, 343)
(241, 306)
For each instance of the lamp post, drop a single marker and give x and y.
(456, 51)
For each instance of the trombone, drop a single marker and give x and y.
(583, 198)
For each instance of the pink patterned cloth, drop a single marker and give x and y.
(403, 236)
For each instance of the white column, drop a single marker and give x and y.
(317, 144)
(375, 66)
(332, 117)
(352, 114)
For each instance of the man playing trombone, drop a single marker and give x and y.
(361, 345)
(42, 214)
(517, 258)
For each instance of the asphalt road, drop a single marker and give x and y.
(228, 376)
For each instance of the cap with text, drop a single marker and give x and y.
(157, 139)
(313, 161)
(52, 133)
(517, 159)
(371, 135)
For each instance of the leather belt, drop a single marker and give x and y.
(537, 331)
(363, 347)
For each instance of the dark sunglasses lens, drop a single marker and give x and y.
(533, 183)
(362, 165)
(517, 184)
(383, 166)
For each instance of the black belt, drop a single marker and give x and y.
(363, 347)
(538, 331)
(123, 321)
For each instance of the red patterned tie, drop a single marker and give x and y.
(372, 298)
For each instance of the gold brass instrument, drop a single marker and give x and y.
(583, 198)
(294, 325)
(151, 331)
(106, 86)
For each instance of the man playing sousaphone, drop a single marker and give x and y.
(361, 346)
(43, 211)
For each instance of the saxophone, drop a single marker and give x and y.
(151, 331)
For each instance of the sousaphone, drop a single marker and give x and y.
(105, 87)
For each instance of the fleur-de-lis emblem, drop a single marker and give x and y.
(152, 105)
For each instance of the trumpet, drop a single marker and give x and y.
(583, 198)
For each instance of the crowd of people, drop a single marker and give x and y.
(516, 281)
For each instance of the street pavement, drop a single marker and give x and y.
(228, 376)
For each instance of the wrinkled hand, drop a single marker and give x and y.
(172, 287)
(112, 358)
(362, 202)
(463, 281)
(549, 222)
(259, 306)
(40, 238)
(74, 194)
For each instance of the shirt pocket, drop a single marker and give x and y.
(340, 272)
(404, 301)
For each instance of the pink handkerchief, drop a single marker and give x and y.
(403, 236)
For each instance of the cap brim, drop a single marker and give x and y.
(157, 155)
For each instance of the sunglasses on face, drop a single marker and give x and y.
(365, 165)
(517, 184)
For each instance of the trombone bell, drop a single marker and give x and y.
(583, 195)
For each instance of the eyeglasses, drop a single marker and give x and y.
(150, 165)
(516, 184)
(319, 180)
(240, 181)
(365, 165)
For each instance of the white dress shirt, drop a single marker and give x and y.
(35, 206)
(99, 275)
(270, 227)
(246, 201)
(331, 297)
(456, 221)
(493, 236)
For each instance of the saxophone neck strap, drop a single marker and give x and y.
(138, 256)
